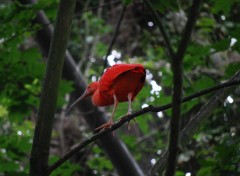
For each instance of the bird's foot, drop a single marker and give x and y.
(129, 122)
(104, 126)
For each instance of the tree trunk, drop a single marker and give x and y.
(42, 135)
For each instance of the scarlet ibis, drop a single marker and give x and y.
(120, 83)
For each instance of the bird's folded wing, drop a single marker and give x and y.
(113, 73)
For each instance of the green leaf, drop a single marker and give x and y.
(8, 166)
(203, 83)
(222, 45)
(162, 5)
(180, 173)
(99, 163)
(231, 70)
(206, 22)
(222, 6)
(66, 169)
(205, 171)
(3, 111)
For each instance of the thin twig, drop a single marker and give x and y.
(114, 36)
(161, 28)
(177, 89)
(127, 118)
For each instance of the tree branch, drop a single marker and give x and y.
(114, 36)
(127, 118)
(194, 124)
(161, 28)
(45, 117)
(177, 89)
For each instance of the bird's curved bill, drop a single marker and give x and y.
(87, 93)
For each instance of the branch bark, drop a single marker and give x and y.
(45, 117)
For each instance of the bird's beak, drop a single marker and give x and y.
(87, 93)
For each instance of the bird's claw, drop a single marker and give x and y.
(129, 121)
(104, 126)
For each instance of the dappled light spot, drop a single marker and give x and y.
(153, 161)
(233, 41)
(144, 105)
(150, 24)
(223, 17)
(230, 99)
(114, 57)
(160, 115)
(19, 133)
(155, 87)
(159, 152)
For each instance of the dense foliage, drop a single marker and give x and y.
(211, 58)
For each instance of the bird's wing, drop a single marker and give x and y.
(112, 73)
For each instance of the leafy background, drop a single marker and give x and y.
(212, 57)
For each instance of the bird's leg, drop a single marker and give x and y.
(110, 121)
(114, 107)
(129, 103)
(130, 108)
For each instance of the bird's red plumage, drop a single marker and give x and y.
(119, 80)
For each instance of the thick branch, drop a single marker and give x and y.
(126, 118)
(177, 89)
(43, 130)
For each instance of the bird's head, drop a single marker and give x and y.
(91, 89)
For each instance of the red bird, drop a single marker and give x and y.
(120, 83)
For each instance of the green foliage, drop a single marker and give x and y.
(15, 145)
(66, 169)
(223, 6)
(231, 69)
(65, 86)
(225, 158)
(98, 161)
(163, 6)
(179, 173)
(221, 45)
(21, 74)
